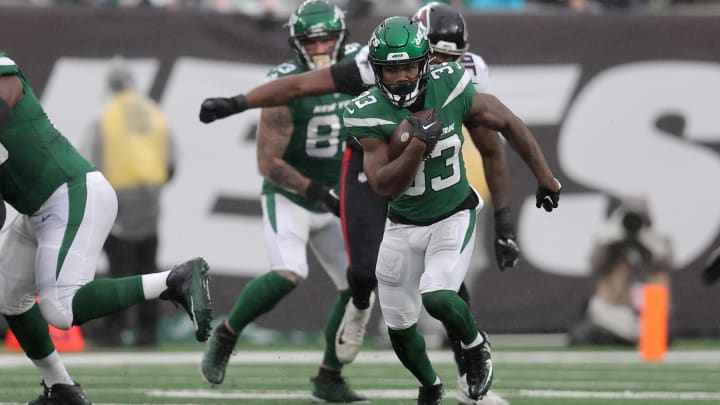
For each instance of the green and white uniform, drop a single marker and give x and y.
(441, 183)
(428, 245)
(67, 209)
(315, 150)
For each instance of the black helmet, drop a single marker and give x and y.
(445, 27)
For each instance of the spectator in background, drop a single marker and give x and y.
(131, 145)
(628, 252)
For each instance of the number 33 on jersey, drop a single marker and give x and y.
(440, 180)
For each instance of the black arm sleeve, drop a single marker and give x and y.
(346, 76)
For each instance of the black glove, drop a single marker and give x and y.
(507, 251)
(324, 194)
(220, 107)
(427, 130)
(547, 198)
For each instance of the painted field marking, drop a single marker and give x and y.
(9, 360)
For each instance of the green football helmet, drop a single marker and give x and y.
(312, 19)
(400, 41)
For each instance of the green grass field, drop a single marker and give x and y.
(260, 375)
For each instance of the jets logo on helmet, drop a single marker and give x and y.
(445, 28)
(400, 41)
(398, 56)
(314, 19)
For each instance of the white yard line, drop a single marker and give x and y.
(659, 395)
(8, 360)
(409, 394)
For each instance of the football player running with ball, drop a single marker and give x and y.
(363, 212)
(429, 234)
(66, 209)
(299, 153)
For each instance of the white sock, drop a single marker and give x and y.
(478, 341)
(437, 381)
(52, 370)
(154, 284)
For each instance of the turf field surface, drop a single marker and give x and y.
(523, 377)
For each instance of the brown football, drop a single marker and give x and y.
(401, 136)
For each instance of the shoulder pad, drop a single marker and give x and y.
(351, 49)
(287, 68)
(477, 67)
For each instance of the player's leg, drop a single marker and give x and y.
(363, 217)
(70, 229)
(398, 272)
(478, 261)
(22, 313)
(454, 338)
(121, 263)
(286, 230)
(448, 254)
(326, 242)
(148, 313)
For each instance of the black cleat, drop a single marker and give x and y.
(188, 287)
(216, 356)
(431, 395)
(62, 394)
(478, 361)
(329, 386)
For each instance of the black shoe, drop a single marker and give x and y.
(329, 386)
(431, 395)
(188, 287)
(62, 394)
(478, 361)
(216, 356)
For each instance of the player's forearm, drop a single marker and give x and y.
(524, 143)
(494, 160)
(274, 93)
(394, 178)
(497, 176)
(286, 176)
(283, 90)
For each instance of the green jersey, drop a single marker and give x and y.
(35, 158)
(318, 139)
(440, 184)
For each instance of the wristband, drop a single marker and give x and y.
(504, 222)
(5, 114)
(239, 103)
(314, 190)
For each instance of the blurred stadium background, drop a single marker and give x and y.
(621, 95)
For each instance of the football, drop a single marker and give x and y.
(401, 135)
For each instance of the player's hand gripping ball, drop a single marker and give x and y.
(424, 125)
